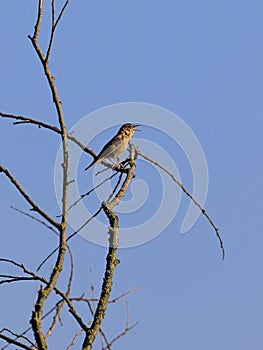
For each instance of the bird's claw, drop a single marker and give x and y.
(118, 166)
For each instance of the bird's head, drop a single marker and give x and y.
(128, 129)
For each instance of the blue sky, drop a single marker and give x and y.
(201, 60)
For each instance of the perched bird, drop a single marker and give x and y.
(117, 145)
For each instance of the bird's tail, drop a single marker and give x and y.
(95, 161)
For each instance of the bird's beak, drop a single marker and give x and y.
(135, 126)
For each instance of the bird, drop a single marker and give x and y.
(117, 145)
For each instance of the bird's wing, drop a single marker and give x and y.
(114, 148)
(111, 148)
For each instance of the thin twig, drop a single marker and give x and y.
(203, 211)
(11, 279)
(40, 124)
(116, 186)
(15, 342)
(126, 329)
(43, 294)
(111, 301)
(52, 30)
(59, 308)
(74, 339)
(90, 191)
(61, 13)
(18, 336)
(54, 24)
(71, 137)
(29, 328)
(71, 236)
(55, 289)
(61, 305)
(92, 299)
(34, 218)
(34, 206)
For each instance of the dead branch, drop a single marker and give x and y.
(34, 218)
(15, 342)
(17, 336)
(111, 260)
(47, 282)
(61, 305)
(126, 329)
(92, 190)
(40, 124)
(24, 194)
(111, 301)
(203, 211)
(29, 328)
(54, 24)
(71, 236)
(72, 343)
(44, 293)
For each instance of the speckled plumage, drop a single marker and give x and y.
(117, 145)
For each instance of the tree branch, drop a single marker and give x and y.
(111, 260)
(203, 211)
(54, 24)
(34, 218)
(71, 236)
(39, 20)
(55, 289)
(61, 305)
(17, 336)
(111, 301)
(34, 206)
(15, 342)
(40, 124)
(43, 294)
(126, 329)
(72, 343)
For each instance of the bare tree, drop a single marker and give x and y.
(87, 328)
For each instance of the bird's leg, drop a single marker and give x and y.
(116, 165)
(119, 165)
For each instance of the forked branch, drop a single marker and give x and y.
(111, 260)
